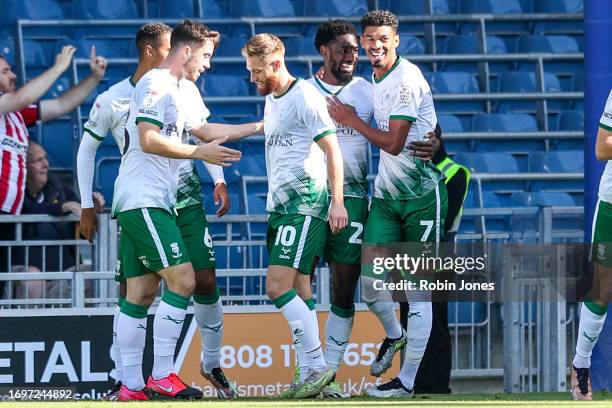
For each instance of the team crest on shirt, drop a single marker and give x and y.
(143, 259)
(601, 252)
(404, 95)
(176, 251)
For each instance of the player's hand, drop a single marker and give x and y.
(62, 60)
(426, 149)
(220, 194)
(72, 207)
(99, 201)
(97, 64)
(338, 217)
(341, 113)
(214, 153)
(89, 223)
(320, 73)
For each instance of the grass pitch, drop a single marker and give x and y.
(602, 399)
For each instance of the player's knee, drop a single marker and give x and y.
(274, 289)
(368, 292)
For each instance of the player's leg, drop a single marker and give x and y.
(422, 221)
(594, 311)
(383, 226)
(303, 288)
(343, 252)
(293, 243)
(207, 308)
(161, 249)
(141, 286)
(115, 352)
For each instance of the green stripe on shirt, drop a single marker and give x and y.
(403, 117)
(149, 120)
(322, 135)
(94, 135)
(608, 128)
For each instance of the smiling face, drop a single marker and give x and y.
(264, 73)
(340, 57)
(198, 60)
(380, 43)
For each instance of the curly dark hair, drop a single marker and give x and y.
(379, 18)
(332, 29)
(150, 34)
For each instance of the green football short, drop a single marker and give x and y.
(601, 251)
(127, 260)
(418, 220)
(345, 246)
(295, 240)
(154, 238)
(192, 223)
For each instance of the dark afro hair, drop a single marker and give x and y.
(332, 29)
(379, 18)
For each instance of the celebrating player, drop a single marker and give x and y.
(299, 137)
(595, 308)
(409, 203)
(337, 42)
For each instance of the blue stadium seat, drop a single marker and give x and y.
(187, 9)
(107, 48)
(495, 200)
(300, 46)
(488, 162)
(32, 10)
(334, 8)
(410, 45)
(412, 8)
(104, 10)
(231, 47)
(35, 56)
(558, 6)
(452, 124)
(225, 85)
(556, 44)
(107, 171)
(455, 83)
(526, 82)
(470, 44)
(506, 123)
(543, 199)
(571, 120)
(466, 312)
(57, 141)
(262, 8)
(493, 7)
(557, 162)
(578, 82)
(7, 49)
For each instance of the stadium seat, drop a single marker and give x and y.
(34, 55)
(32, 10)
(413, 8)
(556, 44)
(410, 45)
(57, 141)
(300, 46)
(488, 162)
(225, 85)
(455, 83)
(107, 169)
(526, 82)
(558, 6)
(470, 44)
(344, 8)
(506, 123)
(106, 47)
(104, 10)
(466, 312)
(543, 199)
(262, 8)
(557, 162)
(231, 48)
(493, 7)
(187, 9)
(571, 120)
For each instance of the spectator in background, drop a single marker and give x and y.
(433, 375)
(20, 108)
(45, 193)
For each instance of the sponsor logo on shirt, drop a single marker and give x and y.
(404, 95)
(607, 115)
(279, 140)
(15, 145)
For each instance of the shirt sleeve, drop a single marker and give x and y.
(31, 114)
(606, 117)
(151, 103)
(100, 119)
(199, 113)
(315, 117)
(86, 159)
(406, 102)
(368, 96)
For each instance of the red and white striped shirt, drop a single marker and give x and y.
(13, 150)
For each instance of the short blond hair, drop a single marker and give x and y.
(263, 45)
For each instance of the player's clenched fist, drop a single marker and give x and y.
(214, 153)
(338, 217)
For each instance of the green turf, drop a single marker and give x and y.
(459, 400)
